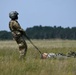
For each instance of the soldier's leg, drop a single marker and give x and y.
(22, 49)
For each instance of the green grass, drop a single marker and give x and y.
(33, 65)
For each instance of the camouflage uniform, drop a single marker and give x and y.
(17, 33)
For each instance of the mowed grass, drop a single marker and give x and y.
(10, 64)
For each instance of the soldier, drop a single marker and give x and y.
(48, 55)
(53, 55)
(17, 33)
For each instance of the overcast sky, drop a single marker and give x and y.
(39, 12)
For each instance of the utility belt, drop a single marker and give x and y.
(16, 34)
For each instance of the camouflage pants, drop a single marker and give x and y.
(22, 46)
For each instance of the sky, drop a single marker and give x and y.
(39, 12)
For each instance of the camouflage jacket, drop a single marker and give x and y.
(15, 28)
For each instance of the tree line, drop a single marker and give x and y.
(44, 32)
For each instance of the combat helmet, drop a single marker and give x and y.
(13, 15)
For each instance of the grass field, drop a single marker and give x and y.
(33, 65)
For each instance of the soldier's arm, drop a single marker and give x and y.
(21, 30)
